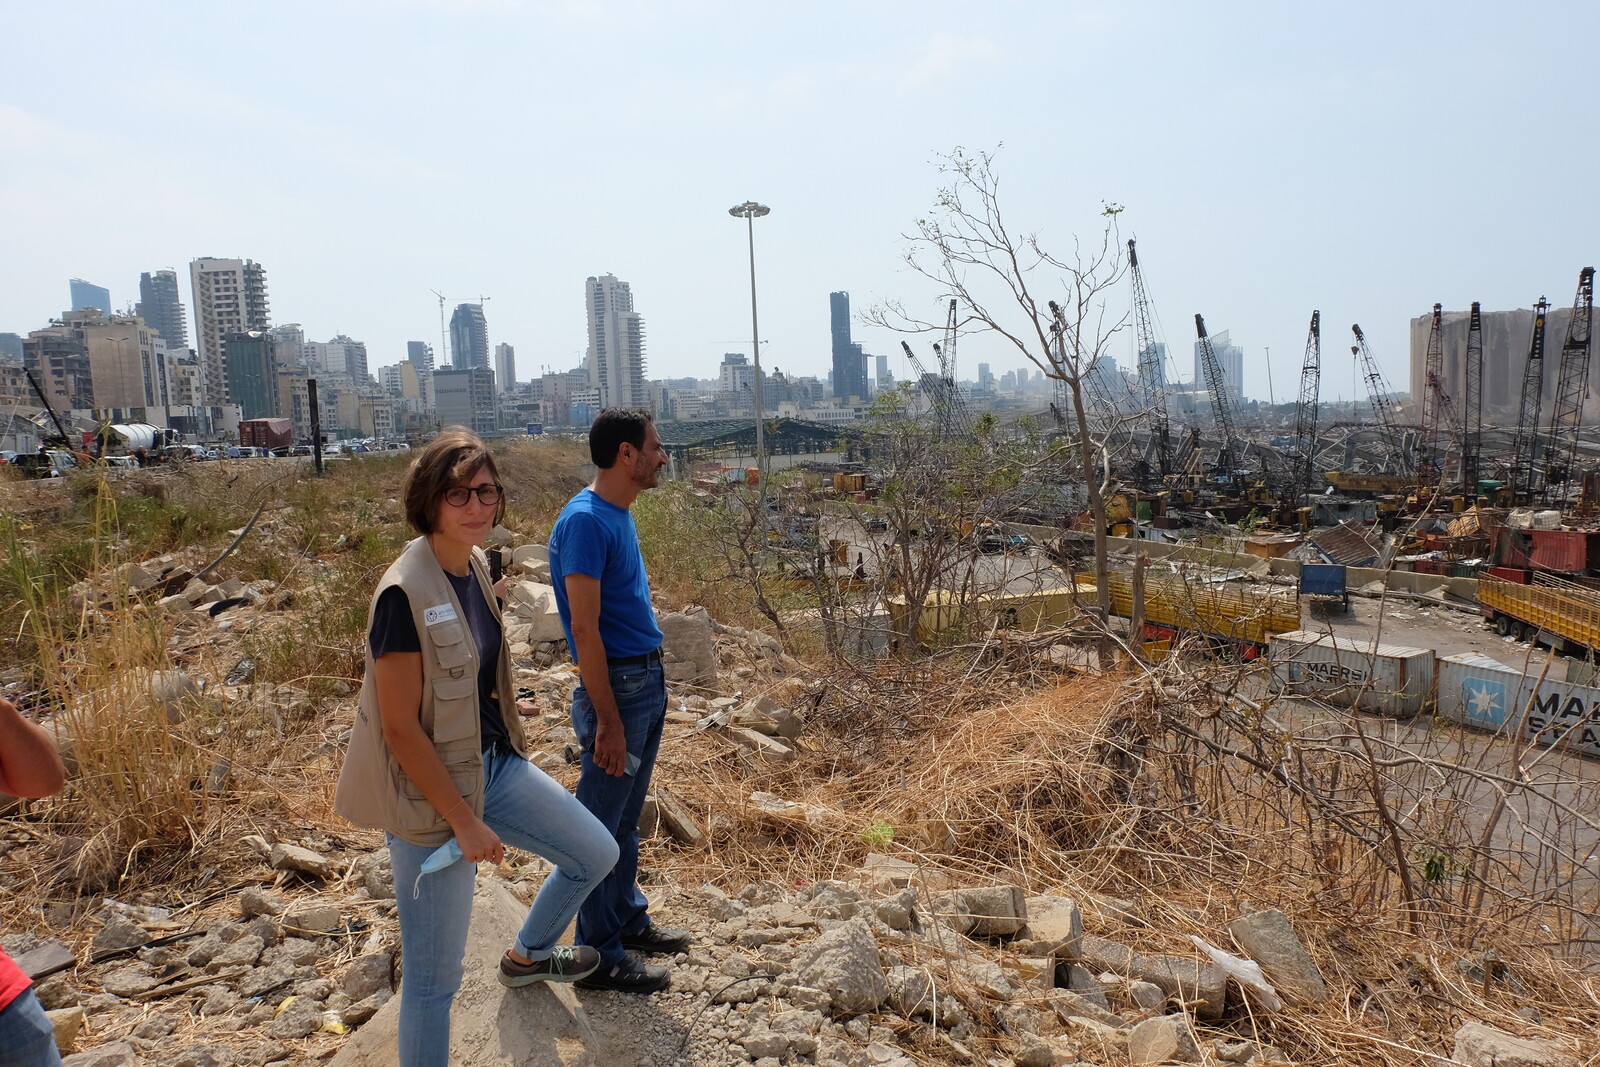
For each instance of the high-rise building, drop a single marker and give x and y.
(11, 346)
(229, 297)
(289, 347)
(505, 368)
(616, 344)
(464, 396)
(161, 308)
(469, 337)
(342, 357)
(89, 295)
(849, 362)
(252, 373)
(420, 354)
(885, 376)
(1230, 357)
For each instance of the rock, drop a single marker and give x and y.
(48, 958)
(118, 935)
(844, 962)
(910, 991)
(254, 901)
(377, 875)
(362, 1010)
(316, 920)
(243, 952)
(131, 980)
(982, 976)
(295, 950)
(524, 555)
(116, 1054)
(988, 911)
(369, 974)
(766, 748)
(649, 817)
(66, 1022)
(1164, 1039)
(1070, 1005)
(1186, 979)
(264, 980)
(676, 819)
(206, 1056)
(294, 858)
(761, 1042)
(56, 992)
(535, 604)
(1059, 921)
(784, 722)
(897, 912)
(1479, 1045)
(1146, 995)
(1033, 1051)
(1267, 938)
(687, 638)
(296, 1018)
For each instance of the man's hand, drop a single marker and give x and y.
(610, 745)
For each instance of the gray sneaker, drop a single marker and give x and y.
(566, 963)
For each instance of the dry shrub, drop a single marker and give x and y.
(1170, 788)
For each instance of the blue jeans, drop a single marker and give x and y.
(531, 811)
(26, 1037)
(617, 907)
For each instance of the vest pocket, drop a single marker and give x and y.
(449, 641)
(455, 738)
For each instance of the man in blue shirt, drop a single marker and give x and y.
(619, 707)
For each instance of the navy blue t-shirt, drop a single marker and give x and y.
(594, 537)
(394, 629)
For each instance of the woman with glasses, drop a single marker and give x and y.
(438, 760)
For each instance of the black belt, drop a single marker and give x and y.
(653, 656)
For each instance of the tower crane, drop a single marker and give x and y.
(1430, 459)
(444, 337)
(1151, 383)
(1305, 411)
(1572, 386)
(1227, 454)
(1525, 445)
(1377, 393)
(1472, 405)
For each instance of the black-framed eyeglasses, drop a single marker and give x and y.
(458, 495)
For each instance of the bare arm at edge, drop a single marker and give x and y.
(399, 679)
(610, 744)
(30, 766)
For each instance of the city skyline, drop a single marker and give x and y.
(1324, 182)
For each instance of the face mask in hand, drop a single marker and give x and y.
(437, 860)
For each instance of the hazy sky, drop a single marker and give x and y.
(1366, 159)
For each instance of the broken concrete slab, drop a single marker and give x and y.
(1267, 938)
(1165, 1039)
(1480, 1045)
(1058, 921)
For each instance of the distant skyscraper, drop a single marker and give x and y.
(11, 346)
(229, 297)
(252, 373)
(885, 376)
(420, 353)
(88, 295)
(505, 368)
(464, 396)
(161, 309)
(1230, 357)
(849, 363)
(616, 343)
(469, 337)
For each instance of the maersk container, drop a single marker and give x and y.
(1481, 692)
(1390, 680)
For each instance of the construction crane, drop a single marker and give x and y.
(1227, 454)
(1151, 380)
(1525, 445)
(1430, 458)
(1472, 405)
(1378, 394)
(1305, 412)
(1571, 388)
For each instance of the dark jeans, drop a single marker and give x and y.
(616, 906)
(26, 1037)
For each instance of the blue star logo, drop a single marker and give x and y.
(1486, 701)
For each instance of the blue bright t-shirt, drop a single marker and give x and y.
(596, 538)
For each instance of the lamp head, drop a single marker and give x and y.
(749, 210)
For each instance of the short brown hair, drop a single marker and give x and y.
(448, 458)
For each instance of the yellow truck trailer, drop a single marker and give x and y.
(1178, 605)
(1551, 611)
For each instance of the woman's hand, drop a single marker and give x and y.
(477, 841)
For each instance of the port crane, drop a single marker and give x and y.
(1305, 412)
(1151, 380)
(1571, 388)
(1227, 451)
(946, 405)
(1430, 456)
(1472, 405)
(959, 417)
(1525, 445)
(1378, 394)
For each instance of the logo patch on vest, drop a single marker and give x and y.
(439, 613)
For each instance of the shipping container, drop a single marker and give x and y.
(1391, 680)
(1484, 693)
(1562, 551)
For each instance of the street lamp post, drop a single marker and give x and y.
(750, 211)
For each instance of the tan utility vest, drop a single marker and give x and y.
(373, 789)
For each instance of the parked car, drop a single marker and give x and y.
(55, 463)
(126, 463)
